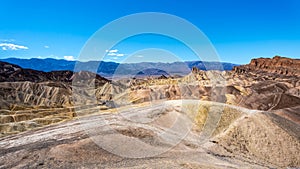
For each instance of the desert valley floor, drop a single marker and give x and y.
(245, 118)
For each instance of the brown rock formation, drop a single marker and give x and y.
(277, 65)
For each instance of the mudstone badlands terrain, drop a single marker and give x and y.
(245, 118)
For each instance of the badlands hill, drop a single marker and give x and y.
(25, 88)
(30, 98)
(244, 118)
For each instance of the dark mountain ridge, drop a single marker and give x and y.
(14, 73)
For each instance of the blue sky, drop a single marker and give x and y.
(239, 30)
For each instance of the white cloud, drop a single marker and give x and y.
(11, 46)
(46, 47)
(114, 52)
(120, 54)
(139, 56)
(70, 58)
(111, 54)
(46, 56)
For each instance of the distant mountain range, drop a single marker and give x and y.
(109, 69)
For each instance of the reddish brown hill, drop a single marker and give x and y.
(276, 65)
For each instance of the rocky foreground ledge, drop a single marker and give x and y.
(242, 139)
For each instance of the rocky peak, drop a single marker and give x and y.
(195, 70)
